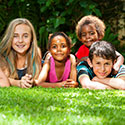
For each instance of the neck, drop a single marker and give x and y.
(21, 61)
(59, 63)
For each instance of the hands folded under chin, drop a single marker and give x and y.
(69, 83)
(26, 81)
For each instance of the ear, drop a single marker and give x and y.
(89, 62)
(114, 61)
(100, 37)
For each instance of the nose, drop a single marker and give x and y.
(58, 48)
(102, 68)
(20, 39)
(87, 36)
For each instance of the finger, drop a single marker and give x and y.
(69, 80)
(29, 81)
(27, 85)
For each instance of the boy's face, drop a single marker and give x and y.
(89, 35)
(101, 67)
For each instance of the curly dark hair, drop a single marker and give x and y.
(90, 19)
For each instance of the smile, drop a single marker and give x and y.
(102, 74)
(20, 46)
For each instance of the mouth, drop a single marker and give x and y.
(102, 74)
(20, 46)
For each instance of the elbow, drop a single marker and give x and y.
(122, 86)
(5, 84)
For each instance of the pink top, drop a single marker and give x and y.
(52, 73)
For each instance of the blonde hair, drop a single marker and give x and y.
(33, 58)
(90, 19)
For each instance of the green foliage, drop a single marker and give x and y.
(110, 37)
(60, 106)
(49, 16)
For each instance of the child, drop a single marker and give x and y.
(19, 48)
(89, 30)
(60, 69)
(102, 56)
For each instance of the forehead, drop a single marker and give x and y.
(88, 27)
(100, 59)
(58, 39)
(22, 28)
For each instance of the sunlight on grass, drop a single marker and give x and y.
(61, 106)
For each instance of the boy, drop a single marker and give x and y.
(89, 30)
(102, 57)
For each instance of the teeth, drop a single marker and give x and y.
(20, 46)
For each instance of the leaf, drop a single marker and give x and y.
(83, 4)
(59, 21)
(97, 12)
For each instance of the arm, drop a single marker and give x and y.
(44, 73)
(119, 61)
(41, 81)
(73, 72)
(87, 83)
(117, 83)
(4, 82)
(25, 82)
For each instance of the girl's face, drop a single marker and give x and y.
(89, 35)
(59, 48)
(101, 67)
(21, 39)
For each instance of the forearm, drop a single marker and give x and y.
(116, 83)
(14, 82)
(4, 82)
(50, 85)
(87, 83)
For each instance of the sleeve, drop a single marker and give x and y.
(121, 71)
(78, 53)
(81, 70)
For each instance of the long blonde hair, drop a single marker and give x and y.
(33, 57)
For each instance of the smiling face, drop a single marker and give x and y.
(89, 35)
(101, 67)
(21, 39)
(59, 48)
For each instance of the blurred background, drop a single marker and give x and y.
(48, 16)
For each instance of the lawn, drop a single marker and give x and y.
(60, 106)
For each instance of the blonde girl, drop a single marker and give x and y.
(19, 48)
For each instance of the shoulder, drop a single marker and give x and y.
(121, 71)
(39, 52)
(72, 58)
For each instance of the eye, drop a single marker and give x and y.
(26, 35)
(54, 47)
(83, 35)
(92, 33)
(15, 35)
(63, 46)
(107, 64)
(98, 63)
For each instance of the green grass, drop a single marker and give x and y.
(60, 106)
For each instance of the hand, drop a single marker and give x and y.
(116, 68)
(98, 84)
(26, 81)
(69, 83)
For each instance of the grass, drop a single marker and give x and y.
(60, 106)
